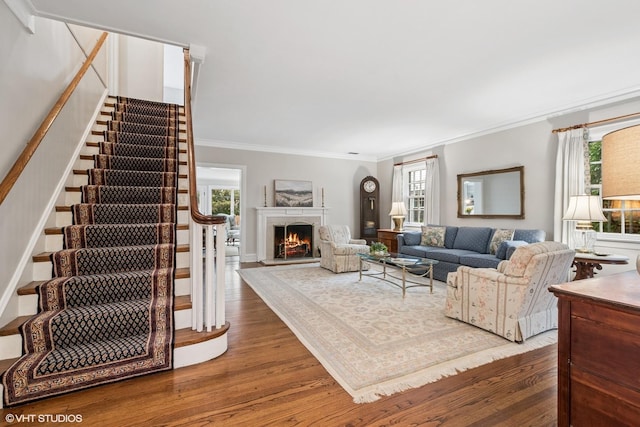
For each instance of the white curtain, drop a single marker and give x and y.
(432, 192)
(572, 155)
(397, 187)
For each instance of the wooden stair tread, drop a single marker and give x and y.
(30, 288)
(187, 336)
(6, 363)
(113, 105)
(46, 256)
(75, 189)
(97, 144)
(181, 302)
(183, 273)
(54, 231)
(68, 208)
(12, 327)
(106, 113)
(101, 133)
(183, 337)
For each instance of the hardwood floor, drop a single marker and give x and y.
(268, 378)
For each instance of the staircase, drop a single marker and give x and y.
(111, 299)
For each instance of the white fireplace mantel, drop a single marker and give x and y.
(271, 215)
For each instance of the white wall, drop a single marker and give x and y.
(34, 71)
(173, 74)
(140, 69)
(339, 178)
(87, 38)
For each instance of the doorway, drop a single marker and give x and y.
(221, 192)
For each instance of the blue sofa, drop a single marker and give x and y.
(470, 246)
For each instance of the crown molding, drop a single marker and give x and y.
(24, 11)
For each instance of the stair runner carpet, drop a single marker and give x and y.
(107, 314)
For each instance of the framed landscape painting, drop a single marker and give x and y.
(297, 194)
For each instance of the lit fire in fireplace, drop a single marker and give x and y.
(297, 243)
(293, 240)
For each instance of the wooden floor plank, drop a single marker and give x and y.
(267, 377)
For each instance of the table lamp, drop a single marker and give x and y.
(620, 171)
(397, 214)
(584, 209)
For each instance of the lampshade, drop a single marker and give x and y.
(620, 160)
(398, 209)
(584, 208)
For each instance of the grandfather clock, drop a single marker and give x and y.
(369, 209)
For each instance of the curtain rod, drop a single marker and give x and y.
(599, 122)
(435, 156)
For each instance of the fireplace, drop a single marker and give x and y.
(269, 217)
(293, 241)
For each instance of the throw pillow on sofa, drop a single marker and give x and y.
(499, 236)
(506, 248)
(433, 236)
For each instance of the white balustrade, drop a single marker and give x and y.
(208, 276)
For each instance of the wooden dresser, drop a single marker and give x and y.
(599, 351)
(388, 237)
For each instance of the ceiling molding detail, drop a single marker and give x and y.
(24, 11)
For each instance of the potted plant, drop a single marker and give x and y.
(378, 249)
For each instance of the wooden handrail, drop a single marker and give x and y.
(196, 215)
(17, 168)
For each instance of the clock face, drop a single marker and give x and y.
(369, 186)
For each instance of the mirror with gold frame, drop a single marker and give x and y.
(492, 194)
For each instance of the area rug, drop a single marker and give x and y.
(371, 340)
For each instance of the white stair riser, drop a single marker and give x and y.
(10, 346)
(63, 218)
(182, 237)
(182, 260)
(42, 270)
(182, 287)
(200, 352)
(182, 318)
(72, 198)
(27, 304)
(80, 180)
(53, 242)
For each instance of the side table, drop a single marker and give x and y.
(586, 263)
(388, 237)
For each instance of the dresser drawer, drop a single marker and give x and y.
(599, 402)
(605, 343)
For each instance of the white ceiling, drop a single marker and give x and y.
(382, 77)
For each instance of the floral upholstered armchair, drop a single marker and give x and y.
(511, 301)
(338, 251)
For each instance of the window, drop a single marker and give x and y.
(225, 201)
(623, 216)
(415, 181)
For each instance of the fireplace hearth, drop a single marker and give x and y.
(293, 241)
